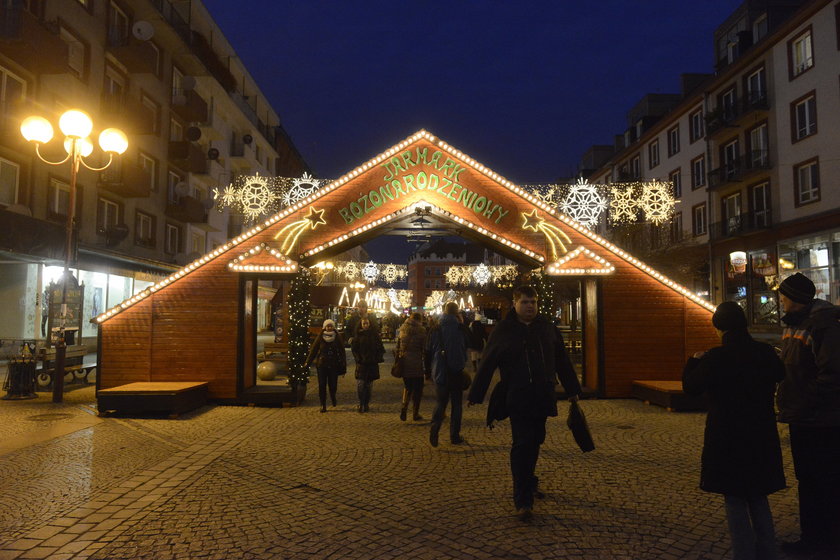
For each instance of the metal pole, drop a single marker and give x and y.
(61, 345)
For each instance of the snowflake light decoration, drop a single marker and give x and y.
(301, 188)
(657, 201)
(584, 203)
(390, 273)
(453, 275)
(482, 274)
(370, 272)
(623, 205)
(351, 270)
(251, 195)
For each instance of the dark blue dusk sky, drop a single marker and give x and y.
(524, 87)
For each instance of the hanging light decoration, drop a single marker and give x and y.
(301, 188)
(657, 201)
(584, 203)
(482, 275)
(370, 272)
(623, 205)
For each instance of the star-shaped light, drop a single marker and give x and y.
(532, 220)
(315, 217)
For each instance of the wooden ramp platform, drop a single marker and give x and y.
(668, 394)
(136, 398)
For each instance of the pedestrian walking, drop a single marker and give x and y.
(742, 456)
(478, 338)
(327, 353)
(368, 352)
(530, 355)
(809, 401)
(410, 344)
(446, 351)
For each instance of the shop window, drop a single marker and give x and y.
(9, 182)
(673, 141)
(764, 305)
(800, 54)
(806, 178)
(96, 289)
(695, 125)
(812, 257)
(675, 177)
(119, 289)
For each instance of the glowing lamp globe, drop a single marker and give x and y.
(113, 140)
(84, 145)
(36, 129)
(75, 123)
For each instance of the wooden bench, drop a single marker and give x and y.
(668, 394)
(73, 364)
(169, 397)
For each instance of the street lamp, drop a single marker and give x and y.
(76, 126)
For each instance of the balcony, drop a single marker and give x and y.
(127, 114)
(23, 234)
(721, 119)
(128, 180)
(756, 101)
(209, 128)
(188, 210)
(211, 61)
(742, 224)
(139, 57)
(740, 169)
(29, 42)
(190, 106)
(188, 156)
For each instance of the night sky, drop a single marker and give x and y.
(523, 87)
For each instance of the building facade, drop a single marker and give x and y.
(195, 119)
(752, 154)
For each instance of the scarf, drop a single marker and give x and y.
(328, 336)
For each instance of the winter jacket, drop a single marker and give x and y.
(531, 358)
(368, 352)
(410, 345)
(328, 355)
(810, 392)
(741, 451)
(446, 350)
(478, 336)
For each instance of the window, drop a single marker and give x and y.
(756, 88)
(676, 180)
(437, 283)
(761, 205)
(673, 141)
(729, 155)
(117, 25)
(108, 214)
(698, 225)
(695, 125)
(176, 131)
(653, 154)
(173, 239)
(156, 61)
(759, 28)
(9, 181)
(144, 229)
(806, 178)
(12, 90)
(731, 206)
(154, 113)
(676, 228)
(698, 172)
(635, 167)
(149, 165)
(76, 53)
(58, 199)
(758, 154)
(197, 242)
(114, 83)
(427, 284)
(800, 53)
(729, 104)
(172, 182)
(803, 116)
(177, 84)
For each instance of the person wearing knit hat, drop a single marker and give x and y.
(742, 455)
(327, 353)
(808, 400)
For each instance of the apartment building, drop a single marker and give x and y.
(162, 72)
(756, 182)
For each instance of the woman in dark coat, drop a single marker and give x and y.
(327, 353)
(478, 337)
(412, 338)
(368, 352)
(742, 458)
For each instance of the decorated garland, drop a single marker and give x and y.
(299, 308)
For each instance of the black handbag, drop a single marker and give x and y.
(397, 368)
(580, 429)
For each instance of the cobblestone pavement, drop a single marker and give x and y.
(241, 482)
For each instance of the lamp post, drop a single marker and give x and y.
(76, 127)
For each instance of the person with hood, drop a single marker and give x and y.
(446, 351)
(809, 401)
(742, 456)
(410, 343)
(531, 356)
(368, 352)
(327, 353)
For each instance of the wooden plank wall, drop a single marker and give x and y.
(649, 330)
(125, 351)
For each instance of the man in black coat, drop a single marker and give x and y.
(529, 352)
(809, 400)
